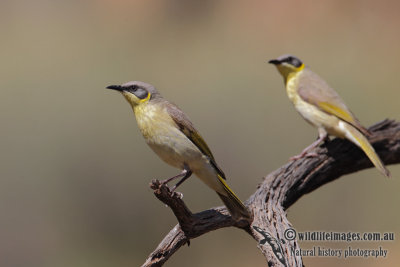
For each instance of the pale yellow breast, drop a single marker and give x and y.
(152, 120)
(164, 137)
(310, 112)
(291, 88)
(171, 145)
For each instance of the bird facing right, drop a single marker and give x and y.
(323, 108)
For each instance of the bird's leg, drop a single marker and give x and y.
(188, 173)
(322, 136)
(166, 181)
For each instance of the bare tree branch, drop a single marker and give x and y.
(277, 192)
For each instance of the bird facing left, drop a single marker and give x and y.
(172, 136)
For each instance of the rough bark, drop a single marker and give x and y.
(277, 192)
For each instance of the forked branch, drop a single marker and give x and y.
(277, 192)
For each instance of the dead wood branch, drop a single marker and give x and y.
(277, 192)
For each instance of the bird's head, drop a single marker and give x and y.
(136, 92)
(287, 65)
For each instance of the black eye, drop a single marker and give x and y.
(138, 91)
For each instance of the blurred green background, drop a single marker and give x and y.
(75, 169)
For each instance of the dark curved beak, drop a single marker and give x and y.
(274, 61)
(115, 87)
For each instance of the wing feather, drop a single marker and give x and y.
(314, 90)
(187, 128)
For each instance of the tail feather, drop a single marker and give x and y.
(360, 140)
(236, 208)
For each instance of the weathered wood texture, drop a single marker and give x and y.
(277, 192)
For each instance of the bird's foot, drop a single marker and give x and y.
(165, 183)
(171, 189)
(180, 195)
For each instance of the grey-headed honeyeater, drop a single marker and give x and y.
(172, 136)
(322, 107)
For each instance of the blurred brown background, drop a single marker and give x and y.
(75, 169)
